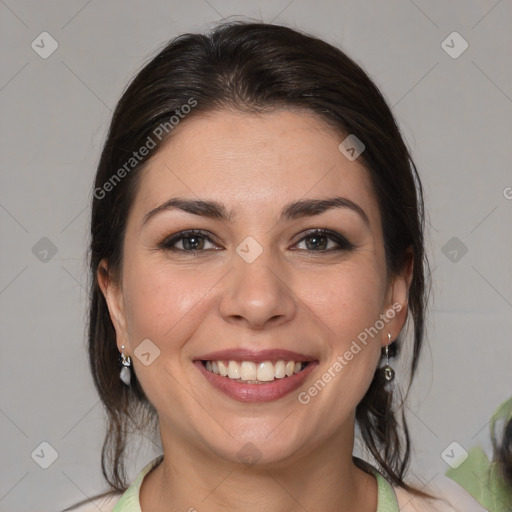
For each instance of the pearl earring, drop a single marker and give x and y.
(126, 373)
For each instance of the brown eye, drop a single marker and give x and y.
(321, 240)
(314, 242)
(192, 243)
(188, 241)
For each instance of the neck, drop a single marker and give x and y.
(191, 479)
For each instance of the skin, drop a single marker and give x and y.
(314, 302)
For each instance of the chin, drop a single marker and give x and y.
(257, 446)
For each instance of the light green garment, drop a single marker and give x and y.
(480, 477)
(129, 501)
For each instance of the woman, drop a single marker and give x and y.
(257, 245)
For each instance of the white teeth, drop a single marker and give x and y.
(251, 372)
(223, 370)
(279, 370)
(233, 370)
(247, 371)
(266, 371)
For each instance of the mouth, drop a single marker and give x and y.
(252, 372)
(255, 376)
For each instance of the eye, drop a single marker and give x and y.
(188, 241)
(194, 241)
(324, 240)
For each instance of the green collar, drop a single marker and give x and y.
(129, 501)
(480, 476)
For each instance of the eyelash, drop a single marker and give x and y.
(169, 243)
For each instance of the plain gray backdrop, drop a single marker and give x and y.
(454, 107)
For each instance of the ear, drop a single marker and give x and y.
(113, 293)
(397, 300)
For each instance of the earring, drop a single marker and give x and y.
(389, 373)
(126, 362)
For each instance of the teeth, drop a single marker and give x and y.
(250, 372)
(265, 371)
(233, 370)
(223, 369)
(279, 370)
(247, 371)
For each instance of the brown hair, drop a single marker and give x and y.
(253, 67)
(502, 448)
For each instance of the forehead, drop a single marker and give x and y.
(254, 163)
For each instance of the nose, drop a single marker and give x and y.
(258, 294)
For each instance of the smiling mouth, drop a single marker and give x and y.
(249, 372)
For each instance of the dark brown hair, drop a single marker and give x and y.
(253, 67)
(503, 453)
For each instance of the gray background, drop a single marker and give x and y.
(454, 112)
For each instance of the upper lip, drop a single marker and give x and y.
(257, 356)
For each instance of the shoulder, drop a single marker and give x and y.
(127, 500)
(101, 504)
(448, 497)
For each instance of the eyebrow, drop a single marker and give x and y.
(291, 211)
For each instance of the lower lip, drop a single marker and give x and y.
(266, 392)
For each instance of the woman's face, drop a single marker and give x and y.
(255, 288)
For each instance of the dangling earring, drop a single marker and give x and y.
(389, 373)
(126, 362)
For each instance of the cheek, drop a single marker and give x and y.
(347, 300)
(161, 302)
(348, 304)
(165, 306)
